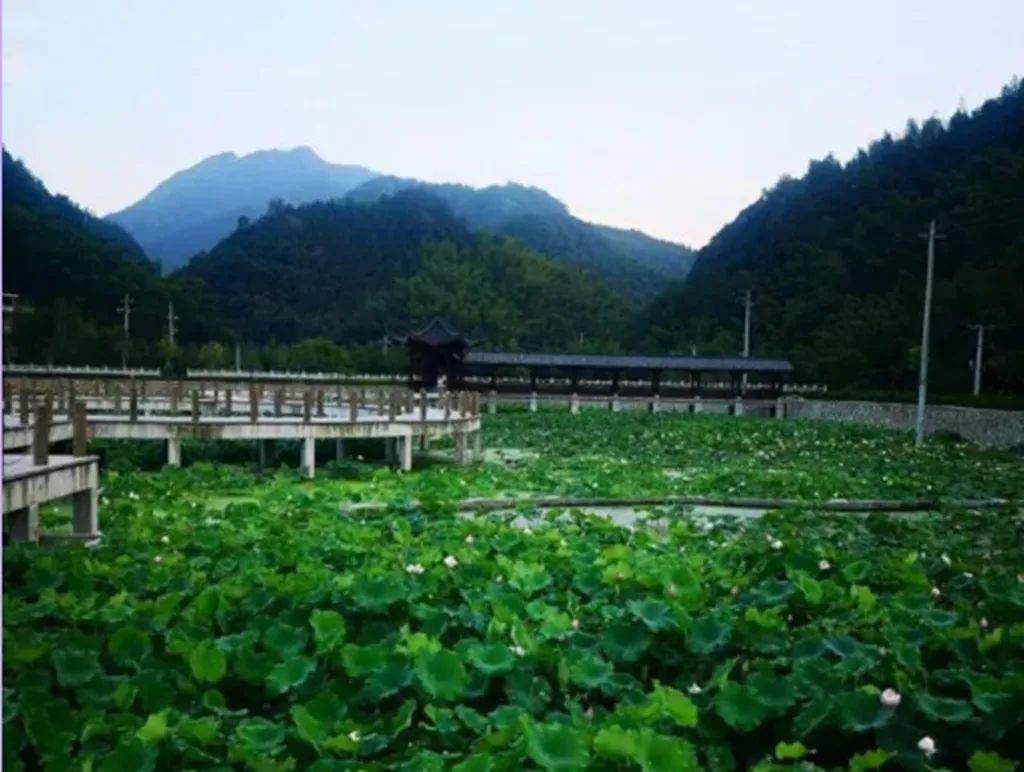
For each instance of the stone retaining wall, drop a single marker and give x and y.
(988, 428)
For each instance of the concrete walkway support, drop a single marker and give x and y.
(492, 402)
(174, 452)
(28, 485)
(309, 457)
(574, 403)
(339, 450)
(405, 452)
(533, 402)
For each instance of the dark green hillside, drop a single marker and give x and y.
(836, 261)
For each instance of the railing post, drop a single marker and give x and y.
(320, 403)
(41, 435)
(23, 406)
(423, 404)
(254, 403)
(353, 406)
(307, 406)
(195, 406)
(133, 403)
(229, 399)
(278, 401)
(392, 406)
(79, 430)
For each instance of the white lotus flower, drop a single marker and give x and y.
(165, 540)
(500, 579)
(158, 558)
(354, 736)
(824, 565)
(519, 651)
(694, 689)
(734, 591)
(983, 623)
(450, 561)
(415, 569)
(575, 624)
(891, 698)
(776, 545)
(926, 746)
(968, 575)
(469, 539)
(936, 592)
(946, 559)
(528, 531)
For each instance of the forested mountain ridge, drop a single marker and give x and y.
(351, 271)
(71, 271)
(630, 262)
(836, 262)
(196, 207)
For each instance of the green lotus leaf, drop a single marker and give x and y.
(790, 751)
(739, 706)
(284, 638)
(653, 613)
(130, 756)
(75, 667)
(491, 658)
(260, 735)
(944, 709)
(328, 630)
(441, 674)
(364, 660)
(290, 674)
(154, 729)
(666, 754)
(128, 645)
(555, 747)
(625, 642)
(478, 762)
(616, 742)
(200, 730)
(986, 761)
(861, 711)
(529, 578)
(870, 760)
(307, 726)
(590, 672)
(207, 663)
(708, 634)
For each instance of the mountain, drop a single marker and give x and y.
(836, 262)
(71, 271)
(630, 262)
(195, 208)
(349, 271)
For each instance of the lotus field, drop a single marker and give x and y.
(233, 619)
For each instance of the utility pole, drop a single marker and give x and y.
(748, 304)
(922, 380)
(978, 355)
(171, 318)
(126, 309)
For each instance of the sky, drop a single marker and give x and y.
(668, 117)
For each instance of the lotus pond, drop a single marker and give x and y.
(233, 620)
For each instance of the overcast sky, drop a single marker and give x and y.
(664, 116)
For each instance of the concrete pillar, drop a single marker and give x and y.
(261, 451)
(780, 408)
(655, 404)
(85, 512)
(738, 406)
(492, 402)
(405, 453)
(478, 445)
(309, 457)
(133, 403)
(41, 435)
(615, 406)
(460, 447)
(533, 402)
(174, 452)
(574, 403)
(24, 524)
(339, 449)
(698, 405)
(79, 429)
